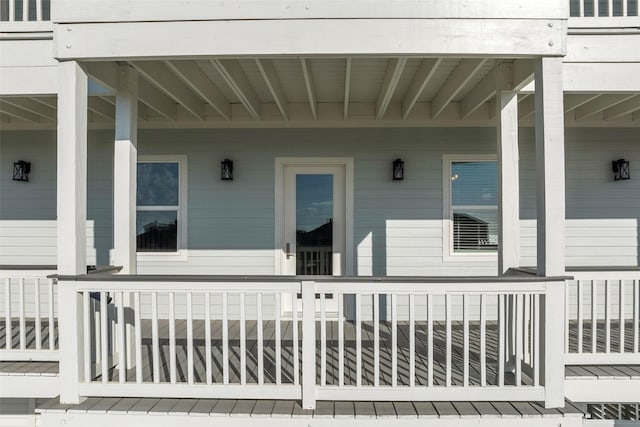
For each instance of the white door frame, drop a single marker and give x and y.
(280, 163)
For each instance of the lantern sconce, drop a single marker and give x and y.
(398, 170)
(226, 170)
(21, 170)
(620, 169)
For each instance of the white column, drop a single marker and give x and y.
(308, 345)
(508, 171)
(124, 173)
(72, 219)
(550, 201)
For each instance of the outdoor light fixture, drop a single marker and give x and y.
(226, 171)
(21, 170)
(620, 169)
(398, 170)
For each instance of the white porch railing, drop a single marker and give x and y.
(259, 340)
(28, 330)
(602, 321)
(603, 8)
(25, 10)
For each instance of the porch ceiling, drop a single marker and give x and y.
(347, 91)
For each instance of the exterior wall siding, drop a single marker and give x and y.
(397, 225)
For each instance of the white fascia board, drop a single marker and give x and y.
(189, 10)
(27, 81)
(602, 77)
(589, 389)
(328, 37)
(603, 47)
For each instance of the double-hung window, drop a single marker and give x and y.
(471, 206)
(160, 205)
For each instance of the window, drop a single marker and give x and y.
(160, 205)
(471, 205)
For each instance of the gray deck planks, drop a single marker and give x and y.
(263, 408)
(425, 410)
(143, 406)
(364, 410)
(283, 409)
(446, 410)
(222, 408)
(383, 410)
(324, 409)
(203, 407)
(242, 408)
(405, 410)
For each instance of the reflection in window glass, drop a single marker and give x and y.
(157, 231)
(474, 206)
(158, 184)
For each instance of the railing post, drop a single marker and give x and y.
(308, 345)
(70, 332)
(552, 344)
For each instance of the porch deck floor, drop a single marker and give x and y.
(324, 409)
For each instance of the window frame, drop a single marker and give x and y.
(181, 253)
(448, 253)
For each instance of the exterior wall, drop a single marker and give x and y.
(397, 225)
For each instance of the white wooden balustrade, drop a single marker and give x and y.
(604, 8)
(29, 312)
(283, 340)
(25, 10)
(602, 322)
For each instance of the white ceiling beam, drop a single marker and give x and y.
(347, 87)
(105, 73)
(464, 72)
(158, 74)
(573, 101)
(418, 84)
(391, 79)
(522, 73)
(481, 93)
(311, 90)
(198, 81)
(101, 107)
(156, 100)
(234, 76)
(19, 113)
(527, 107)
(623, 108)
(35, 107)
(599, 104)
(270, 76)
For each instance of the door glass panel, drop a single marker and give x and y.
(314, 224)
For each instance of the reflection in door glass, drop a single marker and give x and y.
(314, 224)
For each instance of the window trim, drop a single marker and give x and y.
(181, 253)
(447, 222)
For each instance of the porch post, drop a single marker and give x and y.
(550, 202)
(124, 170)
(308, 345)
(72, 220)
(508, 170)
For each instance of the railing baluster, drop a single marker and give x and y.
(207, 337)
(580, 313)
(501, 339)
(155, 345)
(536, 340)
(7, 313)
(636, 314)
(518, 300)
(122, 367)
(86, 315)
(610, 8)
(225, 338)
(138, 336)
(104, 337)
(296, 350)
(447, 303)
(243, 342)
(39, 10)
(278, 337)
(25, 10)
(23, 323)
(376, 340)
(595, 8)
(581, 6)
(12, 10)
(621, 316)
(594, 316)
(173, 376)
(394, 340)
(624, 7)
(260, 341)
(36, 285)
(190, 337)
(465, 340)
(358, 343)
(340, 340)
(525, 328)
(483, 340)
(430, 340)
(567, 329)
(607, 317)
(51, 321)
(412, 341)
(323, 341)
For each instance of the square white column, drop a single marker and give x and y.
(124, 170)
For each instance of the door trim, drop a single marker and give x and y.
(280, 163)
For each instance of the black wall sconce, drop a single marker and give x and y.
(620, 169)
(226, 170)
(398, 170)
(21, 170)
